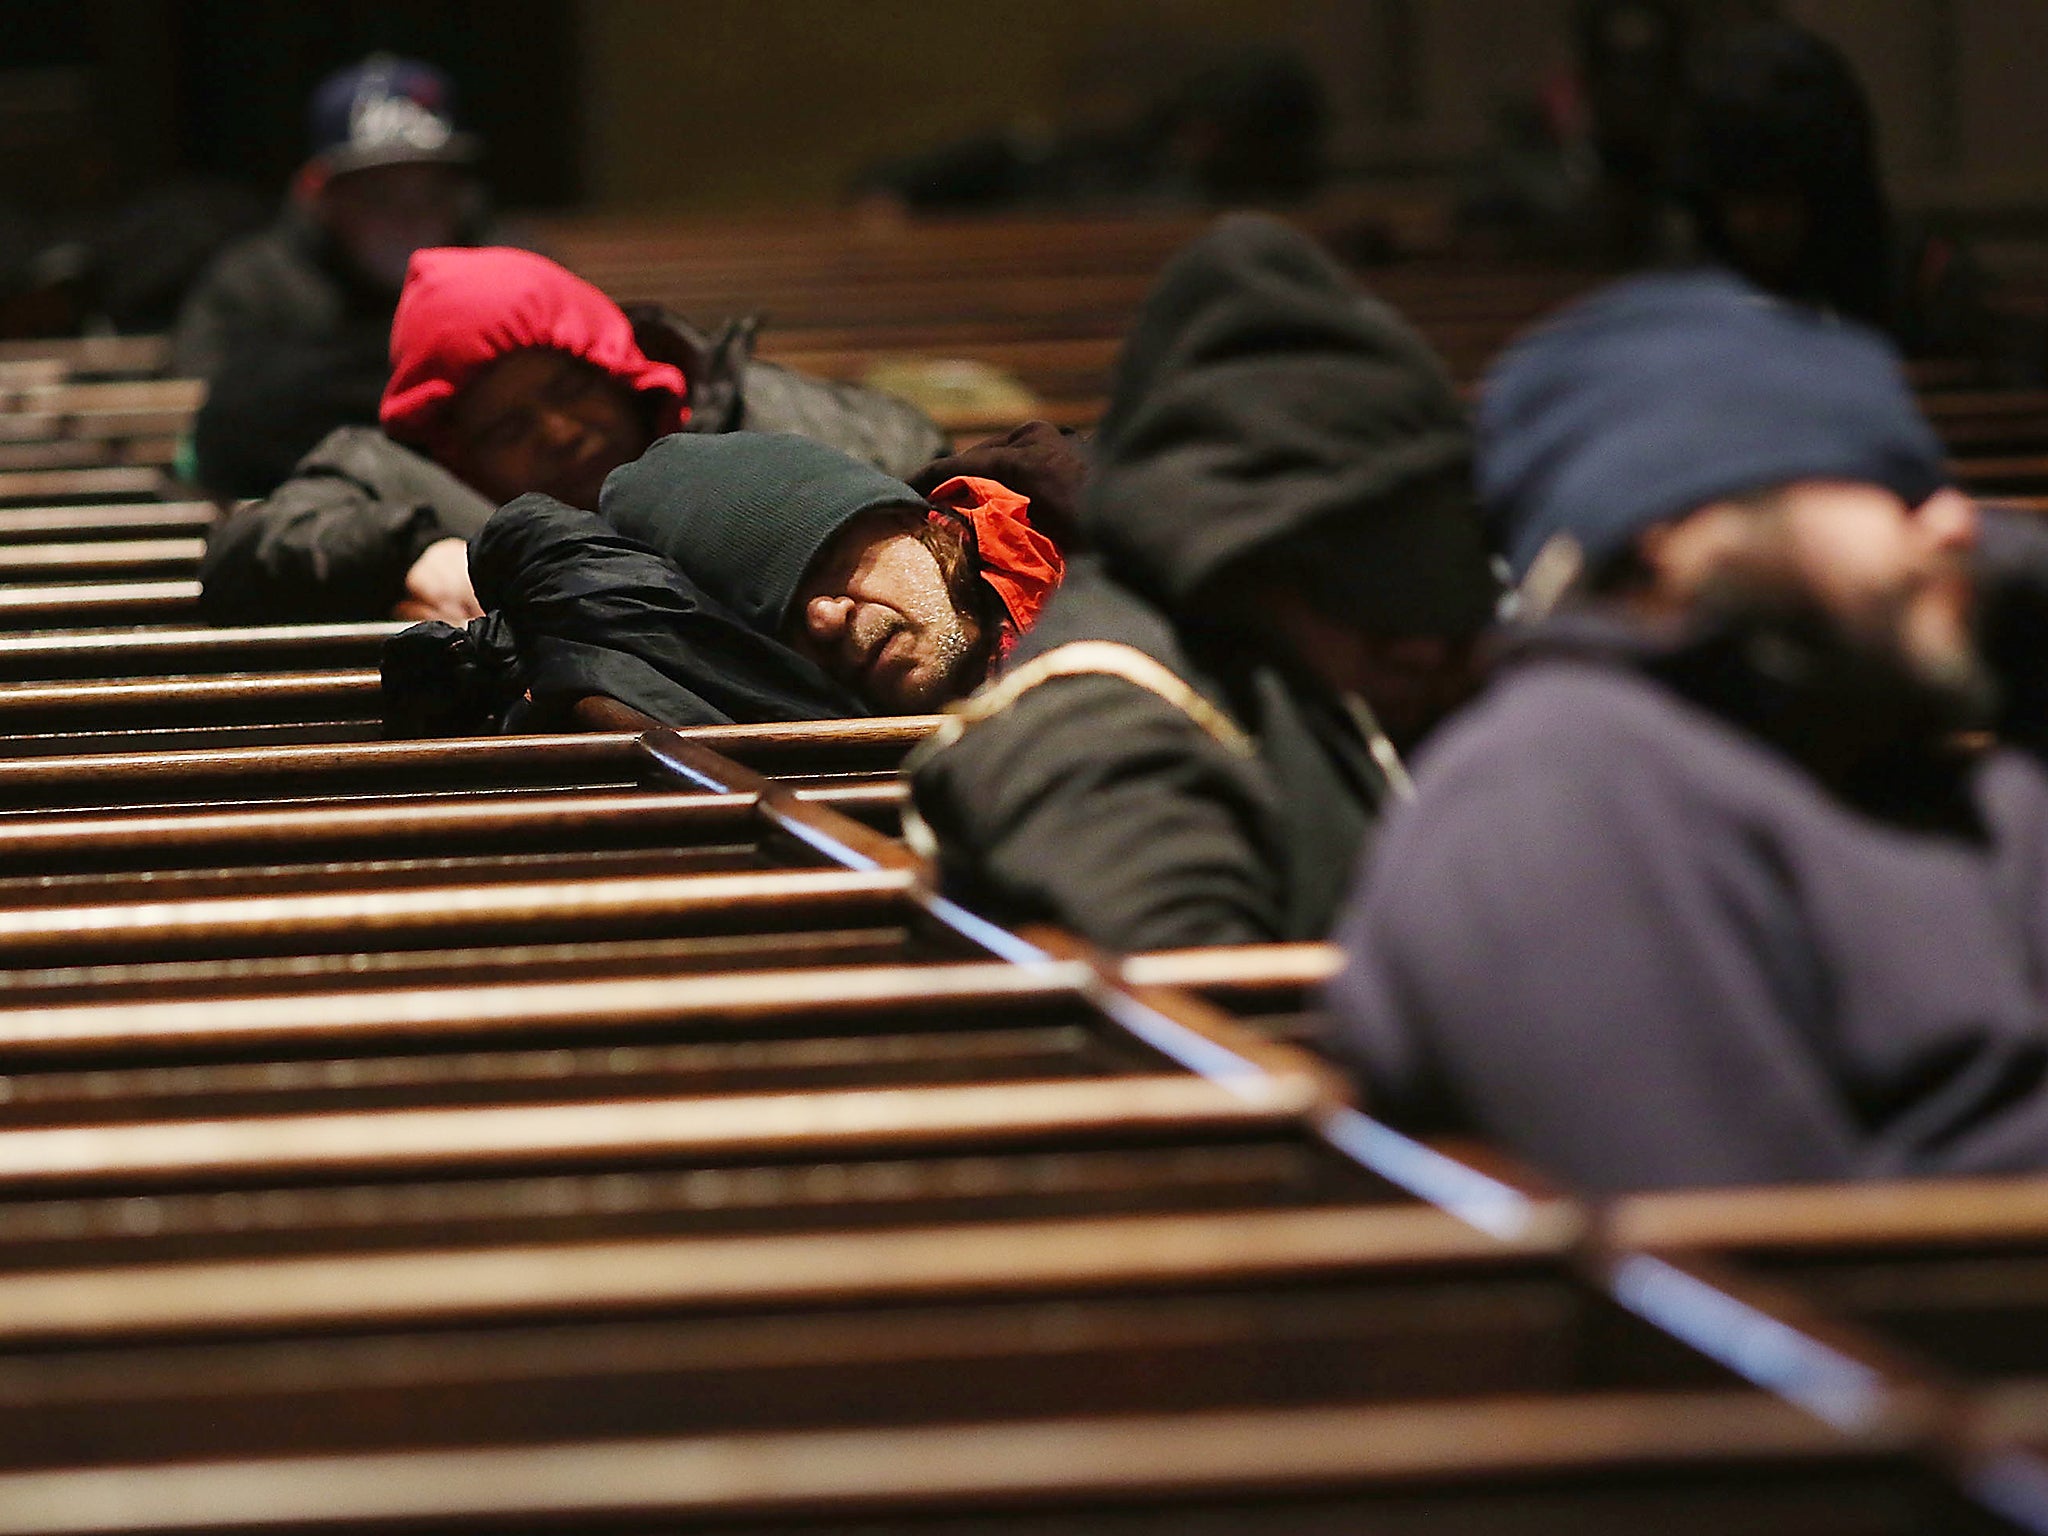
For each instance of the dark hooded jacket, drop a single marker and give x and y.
(336, 540)
(1145, 774)
(1629, 930)
(575, 609)
(286, 286)
(292, 342)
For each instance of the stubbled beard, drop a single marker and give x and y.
(946, 671)
(953, 655)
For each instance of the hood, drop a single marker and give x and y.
(1263, 407)
(463, 308)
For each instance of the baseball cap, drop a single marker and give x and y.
(386, 111)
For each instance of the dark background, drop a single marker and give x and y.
(102, 98)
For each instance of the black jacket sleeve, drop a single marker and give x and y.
(334, 542)
(589, 611)
(1094, 803)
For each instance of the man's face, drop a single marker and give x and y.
(541, 420)
(876, 614)
(380, 216)
(1892, 577)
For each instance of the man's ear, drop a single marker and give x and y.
(1681, 556)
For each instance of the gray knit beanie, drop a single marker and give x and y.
(745, 513)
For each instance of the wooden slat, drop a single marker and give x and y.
(26, 488)
(125, 780)
(135, 703)
(58, 605)
(167, 840)
(162, 519)
(635, 1132)
(121, 557)
(434, 914)
(1232, 968)
(90, 654)
(1575, 1463)
(301, 1022)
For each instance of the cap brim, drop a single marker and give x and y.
(459, 149)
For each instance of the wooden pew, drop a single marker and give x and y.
(1945, 1274)
(1948, 1270)
(517, 1213)
(418, 843)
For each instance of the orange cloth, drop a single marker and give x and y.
(1021, 564)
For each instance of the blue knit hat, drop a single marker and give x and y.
(1661, 394)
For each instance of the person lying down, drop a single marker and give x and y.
(747, 577)
(510, 375)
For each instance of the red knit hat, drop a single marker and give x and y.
(463, 308)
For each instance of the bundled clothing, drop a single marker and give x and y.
(1713, 899)
(1021, 566)
(575, 609)
(748, 515)
(581, 604)
(1637, 941)
(293, 344)
(1148, 773)
(336, 540)
(333, 544)
(1044, 464)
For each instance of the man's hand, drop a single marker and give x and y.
(437, 586)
